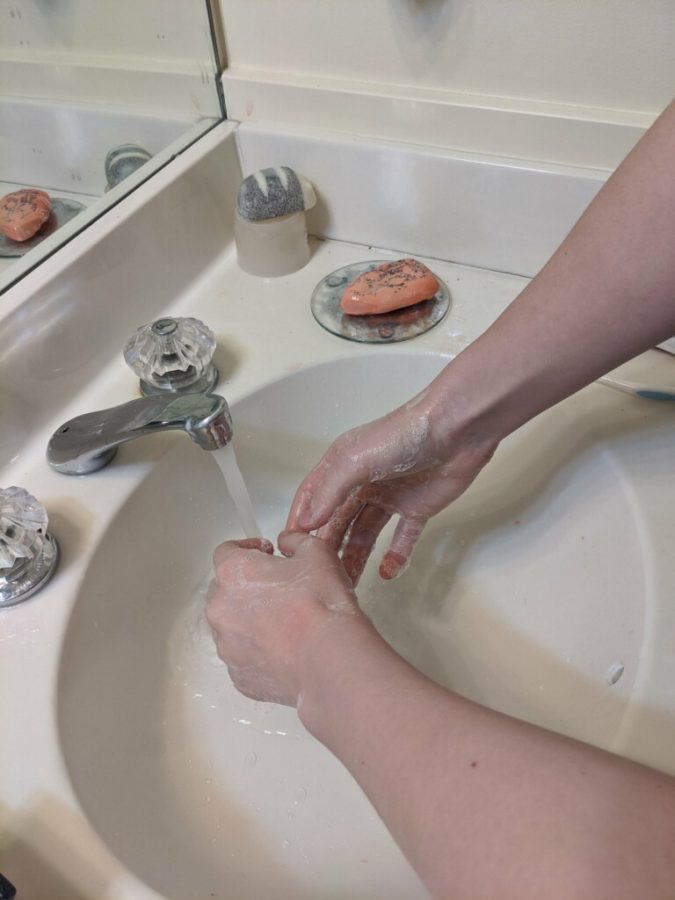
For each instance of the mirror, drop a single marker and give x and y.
(94, 97)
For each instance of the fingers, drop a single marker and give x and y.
(320, 494)
(333, 532)
(224, 551)
(299, 512)
(396, 559)
(333, 491)
(344, 467)
(303, 514)
(361, 540)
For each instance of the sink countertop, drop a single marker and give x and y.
(265, 331)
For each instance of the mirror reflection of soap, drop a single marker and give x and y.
(95, 98)
(29, 216)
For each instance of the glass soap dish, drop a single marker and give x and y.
(384, 328)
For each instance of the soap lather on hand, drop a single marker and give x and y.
(390, 286)
(23, 213)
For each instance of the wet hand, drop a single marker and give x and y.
(266, 611)
(407, 464)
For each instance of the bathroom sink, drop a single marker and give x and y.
(538, 593)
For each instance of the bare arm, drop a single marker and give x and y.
(538, 815)
(483, 806)
(607, 294)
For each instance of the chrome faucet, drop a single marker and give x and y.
(89, 442)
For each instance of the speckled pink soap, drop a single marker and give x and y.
(23, 213)
(390, 286)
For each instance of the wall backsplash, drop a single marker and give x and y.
(564, 81)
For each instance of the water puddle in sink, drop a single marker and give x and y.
(205, 683)
(262, 805)
(227, 462)
(535, 594)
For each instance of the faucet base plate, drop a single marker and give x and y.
(24, 581)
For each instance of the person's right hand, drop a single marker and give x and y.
(411, 463)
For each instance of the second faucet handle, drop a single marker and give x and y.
(28, 553)
(173, 355)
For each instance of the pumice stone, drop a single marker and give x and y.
(274, 192)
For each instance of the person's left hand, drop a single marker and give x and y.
(267, 611)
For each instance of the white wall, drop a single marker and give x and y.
(595, 53)
(143, 55)
(579, 79)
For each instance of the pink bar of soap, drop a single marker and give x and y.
(23, 213)
(393, 285)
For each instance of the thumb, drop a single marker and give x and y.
(290, 542)
(224, 551)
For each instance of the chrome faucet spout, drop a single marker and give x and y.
(89, 442)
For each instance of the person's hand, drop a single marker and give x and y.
(412, 463)
(266, 612)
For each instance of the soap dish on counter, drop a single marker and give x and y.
(62, 211)
(384, 328)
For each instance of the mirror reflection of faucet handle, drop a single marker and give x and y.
(173, 355)
(7, 889)
(28, 553)
(122, 161)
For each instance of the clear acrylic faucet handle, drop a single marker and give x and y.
(28, 553)
(173, 355)
(22, 520)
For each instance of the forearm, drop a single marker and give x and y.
(606, 295)
(484, 805)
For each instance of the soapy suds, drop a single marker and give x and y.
(236, 486)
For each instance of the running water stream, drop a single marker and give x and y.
(227, 460)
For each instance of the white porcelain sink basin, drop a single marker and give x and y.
(539, 593)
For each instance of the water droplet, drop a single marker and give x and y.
(615, 672)
(285, 844)
(300, 796)
(251, 760)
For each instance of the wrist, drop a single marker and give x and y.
(487, 391)
(465, 412)
(330, 670)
